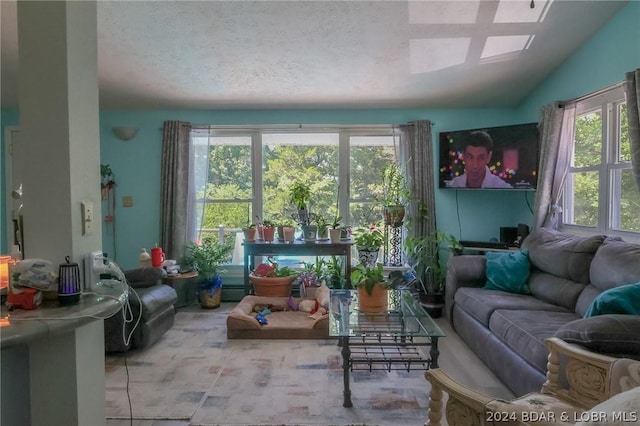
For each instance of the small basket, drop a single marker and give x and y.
(208, 300)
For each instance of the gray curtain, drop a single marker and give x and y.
(632, 90)
(556, 128)
(416, 155)
(175, 188)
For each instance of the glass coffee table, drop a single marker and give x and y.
(388, 341)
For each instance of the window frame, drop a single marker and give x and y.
(345, 132)
(608, 102)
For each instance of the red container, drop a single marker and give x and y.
(157, 257)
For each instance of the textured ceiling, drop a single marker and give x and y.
(325, 54)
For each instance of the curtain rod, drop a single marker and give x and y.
(590, 95)
(298, 126)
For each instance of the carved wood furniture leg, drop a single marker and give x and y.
(465, 407)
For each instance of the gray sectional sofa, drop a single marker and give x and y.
(506, 330)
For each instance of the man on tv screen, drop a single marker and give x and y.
(477, 155)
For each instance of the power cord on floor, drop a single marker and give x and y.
(126, 368)
(127, 316)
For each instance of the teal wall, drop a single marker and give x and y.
(136, 165)
(601, 61)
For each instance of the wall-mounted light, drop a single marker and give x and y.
(125, 133)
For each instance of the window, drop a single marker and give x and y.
(343, 166)
(600, 194)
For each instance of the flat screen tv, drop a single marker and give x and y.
(504, 158)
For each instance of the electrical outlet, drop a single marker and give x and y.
(127, 201)
(87, 217)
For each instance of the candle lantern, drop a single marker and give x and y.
(69, 283)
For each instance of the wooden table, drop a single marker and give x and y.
(296, 248)
(186, 286)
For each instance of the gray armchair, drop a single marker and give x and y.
(151, 302)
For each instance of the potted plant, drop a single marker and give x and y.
(270, 280)
(310, 278)
(250, 233)
(430, 274)
(372, 288)
(368, 242)
(205, 257)
(323, 226)
(394, 194)
(334, 272)
(268, 230)
(299, 195)
(334, 229)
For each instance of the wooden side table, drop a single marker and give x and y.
(186, 285)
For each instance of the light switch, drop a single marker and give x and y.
(127, 201)
(87, 217)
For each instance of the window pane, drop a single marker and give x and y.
(222, 178)
(588, 140)
(625, 145)
(364, 213)
(310, 157)
(229, 183)
(584, 202)
(628, 219)
(368, 156)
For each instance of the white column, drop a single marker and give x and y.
(58, 92)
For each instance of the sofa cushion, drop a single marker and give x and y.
(615, 263)
(556, 290)
(524, 331)
(564, 255)
(617, 335)
(508, 271)
(481, 303)
(619, 300)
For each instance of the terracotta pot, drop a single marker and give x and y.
(289, 233)
(375, 302)
(268, 233)
(249, 234)
(394, 215)
(271, 286)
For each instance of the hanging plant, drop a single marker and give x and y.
(107, 182)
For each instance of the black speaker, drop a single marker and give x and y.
(509, 235)
(523, 232)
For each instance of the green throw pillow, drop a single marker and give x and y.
(508, 271)
(618, 300)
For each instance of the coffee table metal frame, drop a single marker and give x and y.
(388, 341)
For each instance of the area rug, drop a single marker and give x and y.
(194, 373)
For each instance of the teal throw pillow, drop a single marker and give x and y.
(508, 271)
(618, 300)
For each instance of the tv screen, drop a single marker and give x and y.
(504, 157)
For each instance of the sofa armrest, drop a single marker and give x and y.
(463, 271)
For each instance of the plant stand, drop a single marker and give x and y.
(393, 241)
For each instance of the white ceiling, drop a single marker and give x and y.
(325, 54)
